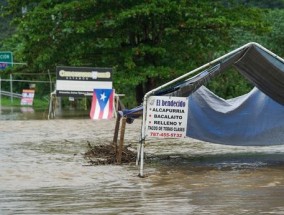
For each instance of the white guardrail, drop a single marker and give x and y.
(6, 93)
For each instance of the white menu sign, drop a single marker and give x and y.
(166, 117)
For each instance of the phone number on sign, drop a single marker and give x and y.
(157, 134)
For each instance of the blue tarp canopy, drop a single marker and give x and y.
(254, 119)
(251, 119)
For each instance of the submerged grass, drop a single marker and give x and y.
(38, 103)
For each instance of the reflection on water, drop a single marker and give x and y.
(42, 171)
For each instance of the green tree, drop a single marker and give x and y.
(5, 29)
(146, 42)
(232, 84)
(274, 38)
(263, 3)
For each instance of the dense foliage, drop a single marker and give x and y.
(5, 29)
(146, 42)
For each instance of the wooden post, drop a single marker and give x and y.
(121, 141)
(115, 136)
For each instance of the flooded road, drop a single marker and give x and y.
(42, 171)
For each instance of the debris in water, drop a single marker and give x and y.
(105, 154)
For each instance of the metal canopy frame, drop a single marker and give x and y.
(140, 151)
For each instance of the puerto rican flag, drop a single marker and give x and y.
(102, 104)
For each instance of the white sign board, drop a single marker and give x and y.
(27, 97)
(81, 81)
(166, 117)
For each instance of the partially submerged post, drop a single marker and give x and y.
(52, 106)
(121, 140)
(116, 130)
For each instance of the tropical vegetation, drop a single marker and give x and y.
(147, 43)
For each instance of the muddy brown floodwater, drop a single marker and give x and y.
(42, 171)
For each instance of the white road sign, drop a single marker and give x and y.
(166, 117)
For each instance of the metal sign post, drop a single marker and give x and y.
(6, 60)
(0, 96)
(11, 88)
